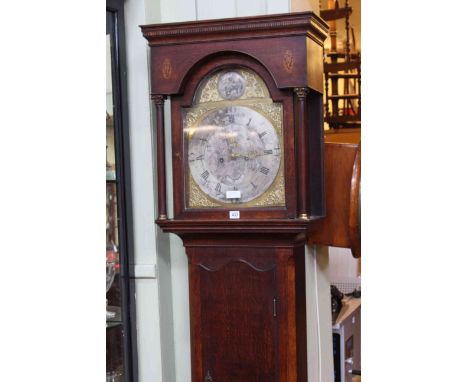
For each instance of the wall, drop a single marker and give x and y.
(145, 235)
(160, 260)
(109, 101)
(305, 5)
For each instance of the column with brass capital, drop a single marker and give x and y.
(160, 154)
(303, 152)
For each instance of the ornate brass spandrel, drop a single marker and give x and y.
(272, 111)
(255, 88)
(273, 197)
(193, 116)
(197, 198)
(209, 91)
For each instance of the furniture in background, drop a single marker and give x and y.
(342, 70)
(347, 341)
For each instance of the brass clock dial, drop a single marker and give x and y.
(234, 154)
(233, 149)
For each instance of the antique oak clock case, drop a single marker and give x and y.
(247, 169)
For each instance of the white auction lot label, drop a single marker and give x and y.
(234, 214)
(233, 194)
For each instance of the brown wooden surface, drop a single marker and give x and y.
(161, 156)
(341, 226)
(348, 136)
(355, 207)
(341, 66)
(267, 39)
(238, 328)
(247, 299)
(236, 270)
(241, 226)
(302, 151)
(114, 356)
(316, 155)
(335, 13)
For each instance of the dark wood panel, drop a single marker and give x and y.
(344, 75)
(114, 348)
(289, 228)
(343, 54)
(341, 226)
(336, 13)
(336, 119)
(233, 289)
(277, 41)
(239, 28)
(314, 66)
(333, 230)
(355, 207)
(317, 194)
(348, 136)
(344, 96)
(239, 324)
(341, 66)
(265, 52)
(161, 155)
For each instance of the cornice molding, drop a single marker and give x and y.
(220, 29)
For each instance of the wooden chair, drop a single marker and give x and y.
(342, 70)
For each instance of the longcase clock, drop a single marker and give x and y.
(247, 170)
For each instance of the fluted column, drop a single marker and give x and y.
(302, 151)
(160, 155)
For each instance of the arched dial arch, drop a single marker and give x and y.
(234, 142)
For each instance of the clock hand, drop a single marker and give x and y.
(241, 155)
